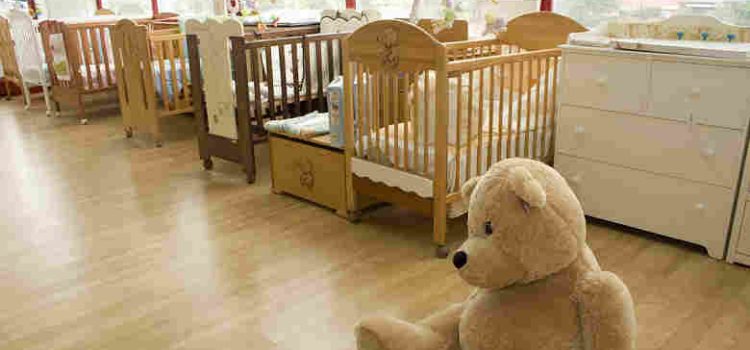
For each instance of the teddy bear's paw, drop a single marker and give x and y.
(368, 340)
(387, 333)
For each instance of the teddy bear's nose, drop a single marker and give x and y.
(460, 259)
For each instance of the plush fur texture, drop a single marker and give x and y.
(539, 286)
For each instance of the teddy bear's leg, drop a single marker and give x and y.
(438, 332)
(607, 312)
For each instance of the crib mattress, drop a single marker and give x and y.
(528, 138)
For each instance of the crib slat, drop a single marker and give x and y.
(393, 111)
(308, 74)
(480, 121)
(331, 67)
(105, 53)
(162, 74)
(457, 150)
(511, 87)
(370, 111)
(553, 116)
(256, 80)
(500, 112)
(469, 120)
(537, 127)
(282, 69)
(378, 116)
(491, 115)
(295, 77)
(96, 53)
(184, 71)
(83, 35)
(519, 109)
(271, 84)
(386, 108)
(415, 122)
(546, 102)
(426, 121)
(360, 88)
(172, 71)
(528, 110)
(319, 70)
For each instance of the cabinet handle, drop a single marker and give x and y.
(576, 179)
(579, 130)
(700, 206)
(708, 152)
(601, 81)
(695, 93)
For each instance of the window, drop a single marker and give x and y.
(393, 8)
(297, 10)
(187, 7)
(66, 8)
(128, 8)
(594, 12)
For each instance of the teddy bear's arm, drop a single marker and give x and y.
(437, 332)
(607, 313)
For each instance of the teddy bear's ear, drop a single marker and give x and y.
(468, 189)
(527, 188)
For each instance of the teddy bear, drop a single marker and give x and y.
(538, 284)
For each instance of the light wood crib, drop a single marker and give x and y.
(423, 117)
(152, 71)
(11, 71)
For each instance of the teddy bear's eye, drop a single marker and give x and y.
(488, 228)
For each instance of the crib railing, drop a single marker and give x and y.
(87, 48)
(168, 52)
(284, 77)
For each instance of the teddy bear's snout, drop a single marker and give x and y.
(460, 259)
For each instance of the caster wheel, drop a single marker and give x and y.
(128, 133)
(208, 164)
(84, 121)
(49, 114)
(159, 144)
(26, 107)
(441, 252)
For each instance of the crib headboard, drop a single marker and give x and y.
(549, 30)
(378, 46)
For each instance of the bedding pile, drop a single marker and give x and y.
(309, 125)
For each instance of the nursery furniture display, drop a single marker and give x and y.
(423, 117)
(739, 244)
(28, 49)
(655, 141)
(11, 72)
(152, 72)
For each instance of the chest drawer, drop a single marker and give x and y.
(604, 82)
(672, 207)
(710, 95)
(700, 153)
(308, 171)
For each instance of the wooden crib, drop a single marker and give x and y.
(11, 71)
(237, 89)
(423, 117)
(152, 71)
(79, 60)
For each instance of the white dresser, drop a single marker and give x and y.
(655, 141)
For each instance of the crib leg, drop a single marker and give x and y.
(208, 163)
(128, 132)
(26, 95)
(440, 224)
(47, 100)
(7, 90)
(82, 111)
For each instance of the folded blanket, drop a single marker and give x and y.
(309, 125)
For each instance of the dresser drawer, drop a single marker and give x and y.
(700, 153)
(604, 82)
(308, 171)
(709, 95)
(676, 208)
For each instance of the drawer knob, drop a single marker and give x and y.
(709, 152)
(601, 81)
(579, 129)
(576, 179)
(700, 206)
(695, 93)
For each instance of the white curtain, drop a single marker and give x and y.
(70, 8)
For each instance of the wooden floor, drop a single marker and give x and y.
(109, 243)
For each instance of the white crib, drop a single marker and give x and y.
(25, 33)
